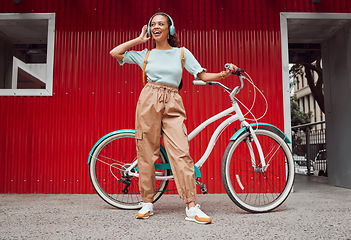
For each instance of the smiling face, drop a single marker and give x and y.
(159, 27)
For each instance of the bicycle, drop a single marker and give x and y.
(257, 166)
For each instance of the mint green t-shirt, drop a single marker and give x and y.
(164, 66)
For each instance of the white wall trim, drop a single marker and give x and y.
(48, 91)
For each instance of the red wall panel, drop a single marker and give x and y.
(45, 141)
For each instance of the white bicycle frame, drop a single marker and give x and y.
(237, 116)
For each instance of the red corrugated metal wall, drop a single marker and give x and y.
(45, 141)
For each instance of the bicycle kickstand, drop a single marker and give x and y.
(202, 187)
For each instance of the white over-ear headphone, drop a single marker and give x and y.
(171, 27)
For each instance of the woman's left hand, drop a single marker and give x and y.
(227, 72)
(207, 77)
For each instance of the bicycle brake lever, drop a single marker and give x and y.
(238, 72)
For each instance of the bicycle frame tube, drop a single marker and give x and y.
(213, 139)
(209, 121)
(237, 116)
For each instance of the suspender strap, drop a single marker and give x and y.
(145, 61)
(144, 67)
(183, 59)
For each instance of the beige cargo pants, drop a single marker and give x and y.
(160, 110)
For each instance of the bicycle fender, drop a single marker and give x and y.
(267, 126)
(162, 149)
(106, 136)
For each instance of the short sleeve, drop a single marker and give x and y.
(192, 65)
(134, 57)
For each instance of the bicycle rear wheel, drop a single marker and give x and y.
(255, 189)
(111, 157)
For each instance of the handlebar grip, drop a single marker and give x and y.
(199, 82)
(228, 66)
(238, 71)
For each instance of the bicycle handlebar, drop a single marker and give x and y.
(199, 82)
(239, 72)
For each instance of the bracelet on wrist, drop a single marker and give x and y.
(221, 73)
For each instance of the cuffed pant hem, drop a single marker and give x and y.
(189, 200)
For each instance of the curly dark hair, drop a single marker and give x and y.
(173, 40)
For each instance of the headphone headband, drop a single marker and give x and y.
(171, 28)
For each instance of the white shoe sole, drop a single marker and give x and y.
(194, 220)
(151, 213)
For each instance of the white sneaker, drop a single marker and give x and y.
(146, 211)
(195, 214)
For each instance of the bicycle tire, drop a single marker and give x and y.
(256, 191)
(106, 171)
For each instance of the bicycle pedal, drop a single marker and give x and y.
(202, 187)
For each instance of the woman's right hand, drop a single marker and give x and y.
(143, 35)
(118, 52)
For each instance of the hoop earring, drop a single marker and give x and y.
(168, 36)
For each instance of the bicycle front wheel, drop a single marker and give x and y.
(108, 175)
(251, 187)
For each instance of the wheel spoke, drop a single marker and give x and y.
(100, 159)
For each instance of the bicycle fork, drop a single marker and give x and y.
(252, 135)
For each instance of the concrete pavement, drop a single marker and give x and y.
(314, 210)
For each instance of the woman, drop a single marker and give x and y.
(160, 110)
